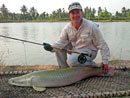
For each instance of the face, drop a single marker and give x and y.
(76, 16)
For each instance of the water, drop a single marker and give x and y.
(116, 34)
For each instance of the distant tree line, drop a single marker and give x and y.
(60, 14)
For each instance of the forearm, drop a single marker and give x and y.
(101, 45)
(105, 53)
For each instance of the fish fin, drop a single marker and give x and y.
(39, 88)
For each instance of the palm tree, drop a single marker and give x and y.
(23, 9)
(124, 12)
(4, 11)
(99, 11)
(33, 13)
(93, 12)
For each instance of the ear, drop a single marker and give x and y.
(69, 14)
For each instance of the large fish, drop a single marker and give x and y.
(39, 80)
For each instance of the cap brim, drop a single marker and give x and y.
(74, 9)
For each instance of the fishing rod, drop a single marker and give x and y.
(20, 40)
(82, 59)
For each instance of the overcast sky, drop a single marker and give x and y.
(51, 5)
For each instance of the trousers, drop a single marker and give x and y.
(71, 60)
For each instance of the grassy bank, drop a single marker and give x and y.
(14, 21)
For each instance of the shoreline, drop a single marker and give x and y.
(114, 63)
(62, 21)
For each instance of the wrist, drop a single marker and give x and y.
(105, 62)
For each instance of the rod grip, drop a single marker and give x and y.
(72, 51)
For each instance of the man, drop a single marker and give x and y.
(81, 35)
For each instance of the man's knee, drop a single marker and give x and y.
(73, 60)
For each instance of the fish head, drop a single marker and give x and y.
(21, 81)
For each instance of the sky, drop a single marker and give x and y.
(51, 5)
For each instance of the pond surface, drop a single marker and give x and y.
(12, 52)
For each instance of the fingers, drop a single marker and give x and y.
(105, 68)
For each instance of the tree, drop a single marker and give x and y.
(4, 11)
(93, 12)
(117, 14)
(33, 13)
(128, 15)
(87, 12)
(43, 16)
(53, 15)
(105, 13)
(99, 11)
(23, 9)
(64, 14)
(12, 16)
(24, 12)
(59, 13)
(124, 12)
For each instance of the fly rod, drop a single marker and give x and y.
(67, 50)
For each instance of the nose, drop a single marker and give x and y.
(75, 15)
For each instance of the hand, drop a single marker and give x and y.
(47, 46)
(105, 68)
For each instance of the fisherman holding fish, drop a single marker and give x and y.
(81, 35)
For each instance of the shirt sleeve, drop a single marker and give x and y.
(101, 44)
(63, 40)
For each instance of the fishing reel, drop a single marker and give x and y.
(82, 58)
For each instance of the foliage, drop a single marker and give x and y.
(60, 14)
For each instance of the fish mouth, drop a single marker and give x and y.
(11, 81)
(17, 83)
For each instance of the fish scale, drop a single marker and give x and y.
(54, 78)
